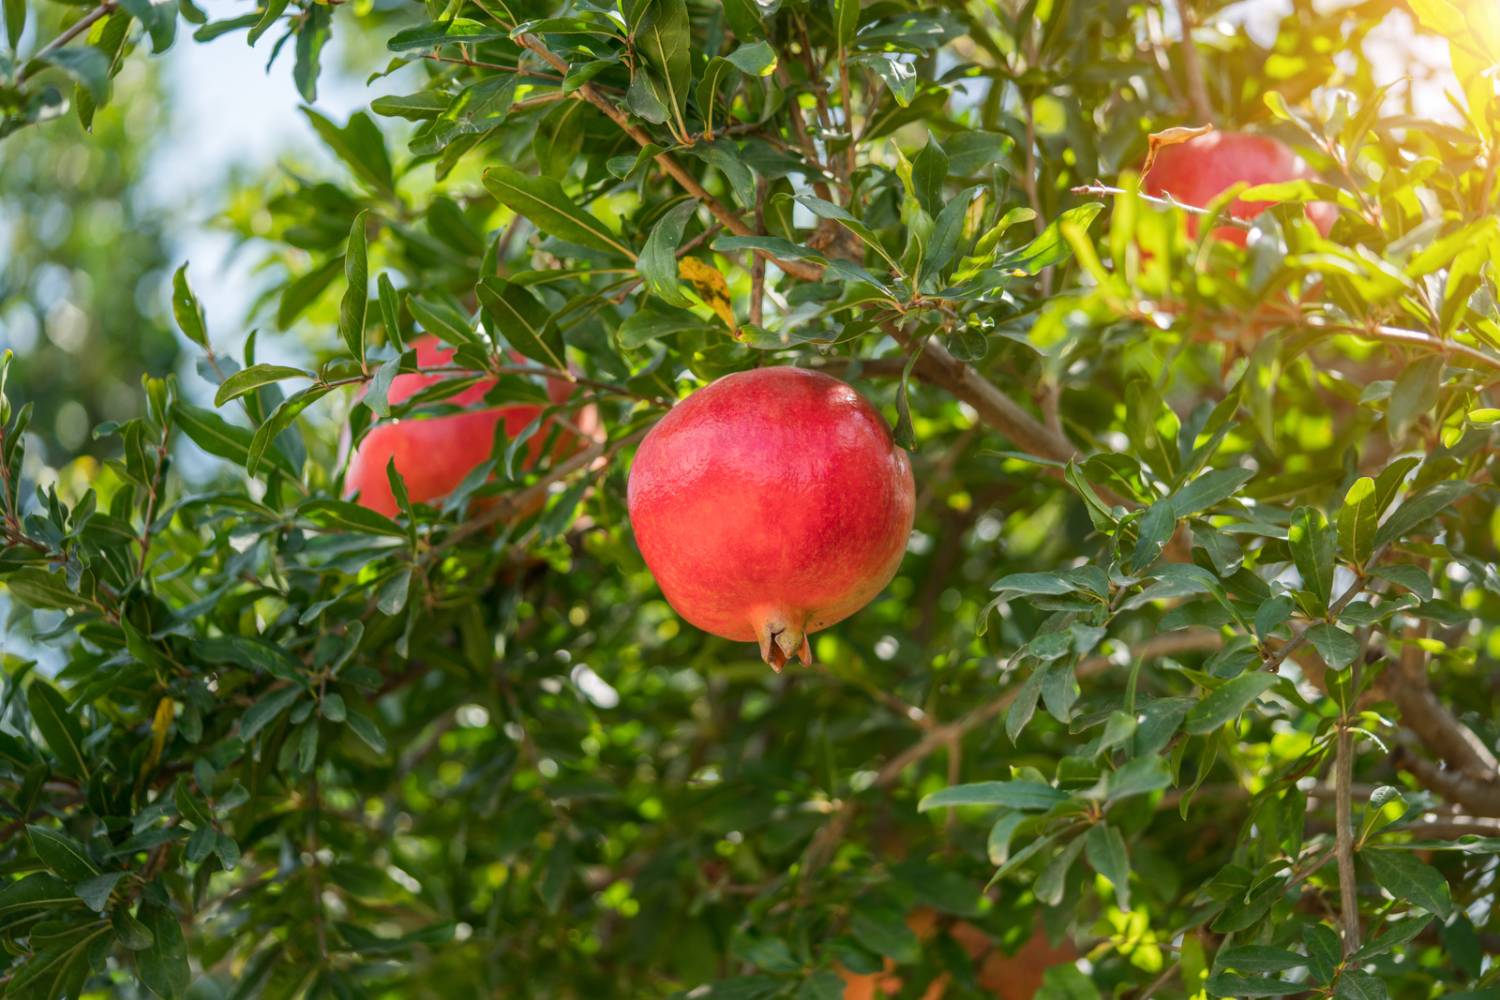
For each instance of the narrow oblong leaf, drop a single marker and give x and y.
(1227, 702)
(58, 726)
(1313, 545)
(1409, 880)
(356, 299)
(543, 201)
(1104, 848)
(187, 310)
(1032, 795)
(249, 379)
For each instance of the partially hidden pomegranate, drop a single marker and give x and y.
(1198, 170)
(1004, 976)
(434, 455)
(769, 505)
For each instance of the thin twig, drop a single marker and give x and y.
(1343, 820)
(1192, 68)
(1099, 189)
(732, 222)
(71, 32)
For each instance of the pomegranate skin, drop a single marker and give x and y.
(434, 455)
(1196, 171)
(771, 504)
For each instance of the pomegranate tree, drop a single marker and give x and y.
(771, 504)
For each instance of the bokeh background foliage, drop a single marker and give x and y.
(1191, 662)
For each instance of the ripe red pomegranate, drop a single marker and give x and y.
(1196, 171)
(434, 455)
(771, 504)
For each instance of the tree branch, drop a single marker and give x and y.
(720, 211)
(937, 365)
(1478, 795)
(75, 29)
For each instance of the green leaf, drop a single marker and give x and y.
(217, 436)
(1227, 984)
(187, 309)
(35, 891)
(341, 515)
(390, 311)
(357, 295)
(249, 379)
(1105, 849)
(1358, 520)
(1227, 702)
(773, 245)
(663, 36)
(15, 21)
(1354, 984)
(1415, 393)
(518, 316)
(366, 730)
(1023, 795)
(1052, 884)
(95, 892)
(1050, 247)
(1207, 490)
(265, 711)
(845, 22)
(1313, 544)
(129, 931)
(459, 30)
(754, 58)
(303, 291)
(159, 17)
(1337, 647)
(360, 145)
(654, 322)
(543, 201)
(1155, 529)
(885, 933)
(828, 210)
(1139, 776)
(87, 65)
(929, 169)
(1409, 880)
(443, 321)
(1419, 509)
(58, 726)
(279, 420)
(63, 856)
(1031, 584)
(896, 70)
(658, 260)
(163, 966)
(1259, 958)
(1024, 706)
(422, 105)
(391, 598)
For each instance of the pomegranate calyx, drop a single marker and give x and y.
(782, 636)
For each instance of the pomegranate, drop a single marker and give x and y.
(769, 505)
(1196, 171)
(434, 455)
(1005, 977)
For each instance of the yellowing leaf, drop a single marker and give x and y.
(710, 287)
(1156, 141)
(160, 723)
